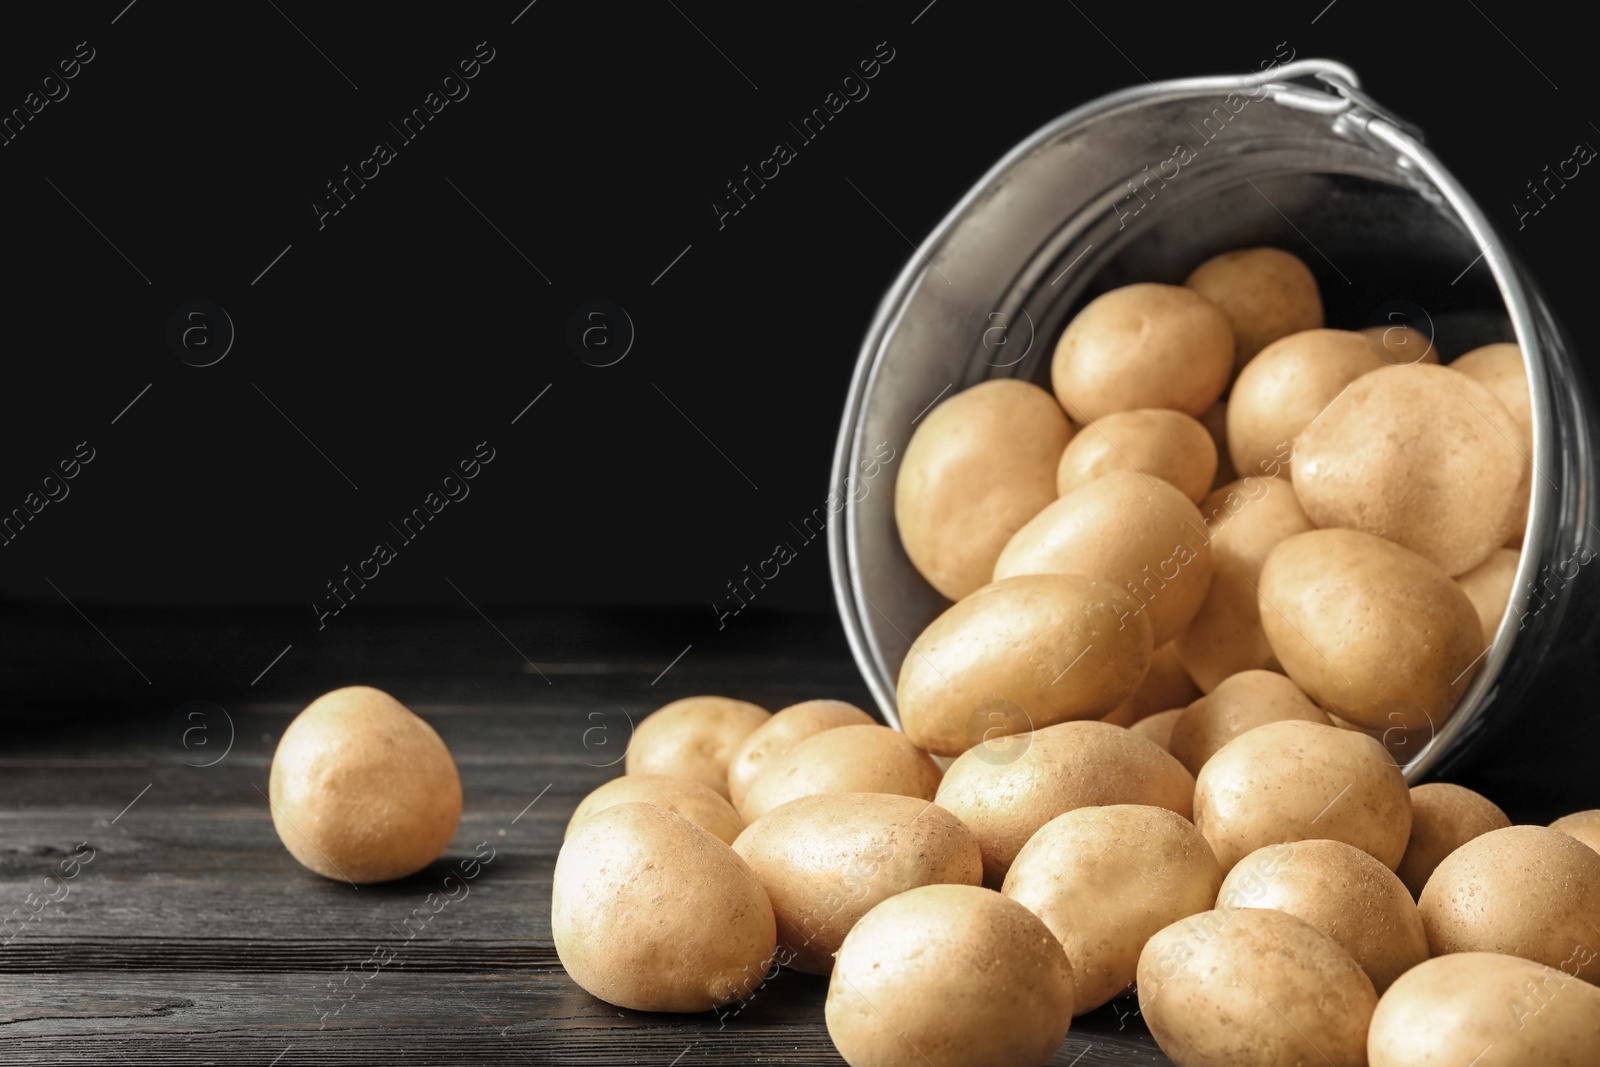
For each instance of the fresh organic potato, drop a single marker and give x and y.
(826, 860)
(1240, 703)
(1484, 1009)
(1215, 420)
(953, 972)
(1026, 652)
(1443, 818)
(1251, 987)
(1138, 533)
(1246, 519)
(1341, 891)
(693, 738)
(1143, 346)
(1266, 293)
(1488, 586)
(1422, 456)
(1284, 388)
(1158, 727)
(981, 464)
(700, 804)
(651, 912)
(1526, 891)
(1294, 780)
(782, 732)
(1371, 631)
(1499, 369)
(1583, 825)
(1005, 800)
(846, 759)
(361, 789)
(1105, 880)
(1166, 685)
(1400, 346)
(1158, 442)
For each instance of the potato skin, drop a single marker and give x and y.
(1583, 825)
(363, 790)
(1249, 987)
(1239, 704)
(1143, 346)
(1022, 653)
(1372, 632)
(980, 465)
(1285, 387)
(826, 860)
(1073, 765)
(651, 912)
(700, 804)
(1266, 293)
(1488, 586)
(1166, 685)
(1105, 880)
(787, 728)
(1159, 442)
(1158, 727)
(952, 972)
(846, 759)
(1443, 818)
(1292, 780)
(1400, 346)
(1507, 1012)
(1499, 369)
(693, 738)
(1526, 891)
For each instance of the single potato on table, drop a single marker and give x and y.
(1236, 706)
(782, 732)
(1443, 818)
(1284, 388)
(1266, 293)
(846, 759)
(700, 804)
(1159, 442)
(693, 738)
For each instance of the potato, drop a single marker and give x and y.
(1246, 520)
(1526, 891)
(1422, 456)
(1486, 1010)
(1499, 369)
(1400, 346)
(1488, 586)
(1138, 533)
(1241, 703)
(949, 974)
(1158, 727)
(1166, 685)
(1266, 293)
(1073, 765)
(1371, 631)
(362, 790)
(1583, 825)
(1027, 652)
(1284, 388)
(782, 732)
(1341, 891)
(1443, 818)
(1105, 880)
(1143, 346)
(693, 738)
(650, 912)
(846, 759)
(827, 860)
(700, 804)
(1215, 420)
(1293, 780)
(981, 464)
(1164, 444)
(1250, 987)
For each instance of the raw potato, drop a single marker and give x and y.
(1166, 685)
(1499, 369)
(827, 860)
(1285, 387)
(1240, 704)
(1215, 420)
(693, 738)
(1583, 825)
(949, 975)
(651, 912)
(1487, 1010)
(1105, 880)
(1372, 632)
(1023, 653)
(1139, 534)
(1249, 987)
(1341, 891)
(1291, 781)
(1074, 765)
(782, 732)
(1143, 346)
(1526, 891)
(1443, 818)
(1164, 444)
(1401, 346)
(700, 804)
(981, 464)
(362, 789)
(1422, 456)
(1266, 293)
(846, 759)
(1158, 727)
(1488, 586)
(1246, 521)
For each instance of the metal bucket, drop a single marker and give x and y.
(1297, 157)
